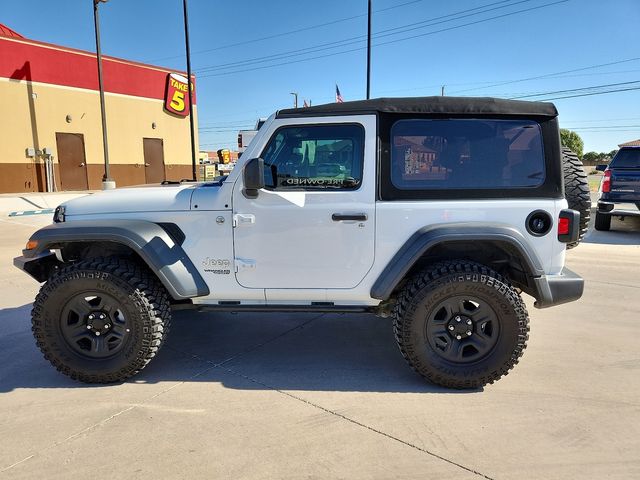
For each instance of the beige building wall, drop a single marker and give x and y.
(33, 112)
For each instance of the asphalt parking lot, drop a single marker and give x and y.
(329, 396)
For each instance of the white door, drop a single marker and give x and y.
(312, 226)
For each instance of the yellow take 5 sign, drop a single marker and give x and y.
(176, 98)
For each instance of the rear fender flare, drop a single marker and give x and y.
(429, 237)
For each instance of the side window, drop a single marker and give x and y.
(466, 154)
(315, 157)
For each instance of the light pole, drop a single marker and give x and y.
(295, 99)
(191, 127)
(369, 50)
(107, 182)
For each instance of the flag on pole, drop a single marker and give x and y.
(339, 98)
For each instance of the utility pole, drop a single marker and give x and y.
(369, 51)
(189, 87)
(107, 182)
(295, 99)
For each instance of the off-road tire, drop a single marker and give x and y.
(137, 293)
(576, 191)
(452, 279)
(603, 222)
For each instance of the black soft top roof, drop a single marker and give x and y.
(428, 105)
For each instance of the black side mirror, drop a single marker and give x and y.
(253, 176)
(601, 168)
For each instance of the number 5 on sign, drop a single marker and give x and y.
(175, 100)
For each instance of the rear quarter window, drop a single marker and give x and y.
(466, 154)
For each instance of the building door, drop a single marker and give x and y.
(153, 160)
(72, 161)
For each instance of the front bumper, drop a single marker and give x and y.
(39, 266)
(558, 289)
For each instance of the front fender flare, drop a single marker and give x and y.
(162, 254)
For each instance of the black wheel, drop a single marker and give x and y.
(461, 325)
(603, 222)
(576, 191)
(101, 320)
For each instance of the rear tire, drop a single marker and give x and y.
(460, 325)
(603, 222)
(101, 320)
(576, 191)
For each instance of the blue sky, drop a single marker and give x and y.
(249, 55)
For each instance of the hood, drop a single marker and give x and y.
(149, 198)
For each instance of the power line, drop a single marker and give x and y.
(291, 32)
(388, 42)
(609, 131)
(591, 94)
(425, 87)
(230, 130)
(573, 90)
(361, 38)
(587, 129)
(248, 120)
(230, 125)
(602, 120)
(550, 75)
(602, 127)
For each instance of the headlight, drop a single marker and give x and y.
(58, 214)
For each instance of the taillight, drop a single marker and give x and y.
(564, 226)
(605, 187)
(568, 226)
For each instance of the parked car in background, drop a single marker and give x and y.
(619, 188)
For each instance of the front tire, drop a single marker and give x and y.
(101, 320)
(461, 325)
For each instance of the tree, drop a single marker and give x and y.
(591, 157)
(612, 153)
(572, 140)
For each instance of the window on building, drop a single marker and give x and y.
(466, 154)
(315, 157)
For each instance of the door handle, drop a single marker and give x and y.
(243, 219)
(357, 217)
(81, 165)
(147, 164)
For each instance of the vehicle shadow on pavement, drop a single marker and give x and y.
(625, 232)
(316, 352)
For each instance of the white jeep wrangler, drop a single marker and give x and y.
(438, 212)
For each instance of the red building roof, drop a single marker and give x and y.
(633, 143)
(34, 61)
(7, 32)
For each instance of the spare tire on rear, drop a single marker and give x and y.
(576, 190)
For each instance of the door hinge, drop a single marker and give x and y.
(243, 219)
(244, 264)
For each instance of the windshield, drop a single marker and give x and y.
(627, 158)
